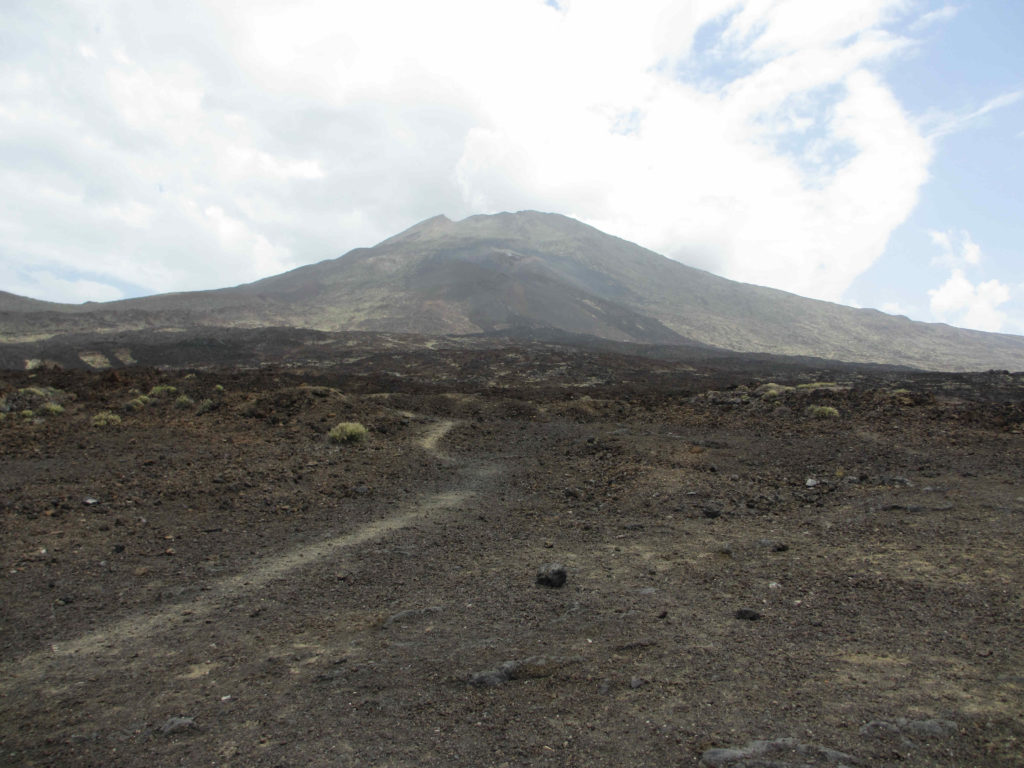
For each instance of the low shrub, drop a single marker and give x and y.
(53, 409)
(822, 412)
(771, 390)
(183, 402)
(205, 406)
(162, 389)
(137, 403)
(28, 413)
(347, 432)
(106, 419)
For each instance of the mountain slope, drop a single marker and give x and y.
(530, 271)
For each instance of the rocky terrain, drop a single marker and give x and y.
(765, 562)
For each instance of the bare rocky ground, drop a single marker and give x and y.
(748, 583)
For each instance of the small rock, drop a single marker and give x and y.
(490, 677)
(747, 614)
(810, 482)
(177, 725)
(552, 575)
(637, 682)
(90, 501)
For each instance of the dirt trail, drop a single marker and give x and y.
(134, 630)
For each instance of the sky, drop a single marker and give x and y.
(868, 152)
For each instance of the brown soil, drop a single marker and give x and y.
(228, 587)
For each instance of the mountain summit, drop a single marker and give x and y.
(528, 272)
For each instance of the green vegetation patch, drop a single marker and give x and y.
(138, 403)
(347, 432)
(825, 386)
(771, 390)
(33, 398)
(52, 409)
(183, 402)
(205, 406)
(822, 412)
(162, 390)
(106, 419)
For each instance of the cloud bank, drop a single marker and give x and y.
(149, 146)
(959, 300)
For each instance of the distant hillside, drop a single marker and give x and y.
(532, 272)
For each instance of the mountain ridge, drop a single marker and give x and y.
(532, 270)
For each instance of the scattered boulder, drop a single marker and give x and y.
(552, 575)
(747, 614)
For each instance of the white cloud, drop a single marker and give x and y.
(955, 248)
(181, 146)
(945, 13)
(951, 123)
(960, 302)
(41, 284)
